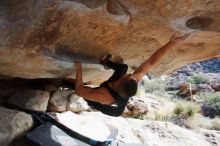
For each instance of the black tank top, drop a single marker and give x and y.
(111, 110)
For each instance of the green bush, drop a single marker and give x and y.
(155, 86)
(179, 110)
(212, 100)
(198, 79)
(186, 110)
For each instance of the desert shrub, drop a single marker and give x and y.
(162, 116)
(207, 123)
(155, 86)
(192, 110)
(159, 116)
(179, 110)
(186, 110)
(213, 101)
(198, 79)
(215, 124)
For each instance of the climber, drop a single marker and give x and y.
(120, 86)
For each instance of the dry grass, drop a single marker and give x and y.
(155, 86)
(186, 110)
(207, 123)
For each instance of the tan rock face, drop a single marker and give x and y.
(42, 38)
(66, 100)
(36, 100)
(59, 100)
(14, 124)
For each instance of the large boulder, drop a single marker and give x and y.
(67, 100)
(167, 134)
(77, 104)
(156, 132)
(59, 100)
(136, 108)
(42, 38)
(14, 124)
(36, 100)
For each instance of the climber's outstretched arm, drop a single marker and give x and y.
(87, 92)
(157, 56)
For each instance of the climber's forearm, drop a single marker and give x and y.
(87, 92)
(159, 54)
(153, 60)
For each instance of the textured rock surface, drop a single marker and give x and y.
(136, 108)
(59, 101)
(36, 100)
(156, 133)
(166, 134)
(13, 125)
(77, 104)
(41, 38)
(66, 100)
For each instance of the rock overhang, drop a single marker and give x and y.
(41, 39)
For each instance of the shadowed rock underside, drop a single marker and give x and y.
(42, 38)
